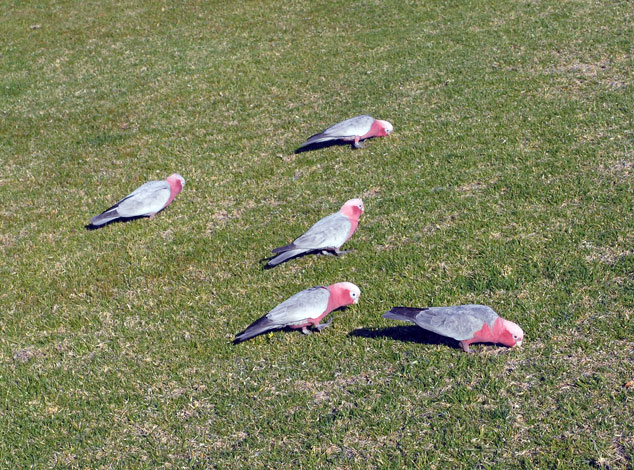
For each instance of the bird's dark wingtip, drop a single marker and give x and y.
(242, 337)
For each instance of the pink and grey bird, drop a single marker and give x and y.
(326, 236)
(304, 309)
(465, 323)
(146, 200)
(351, 130)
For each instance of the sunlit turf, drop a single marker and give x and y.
(507, 181)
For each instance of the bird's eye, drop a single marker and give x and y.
(514, 336)
(353, 294)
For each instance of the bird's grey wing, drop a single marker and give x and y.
(358, 125)
(330, 231)
(309, 303)
(459, 322)
(482, 312)
(145, 200)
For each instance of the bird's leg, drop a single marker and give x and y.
(356, 143)
(323, 325)
(465, 347)
(333, 251)
(306, 331)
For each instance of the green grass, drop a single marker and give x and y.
(508, 181)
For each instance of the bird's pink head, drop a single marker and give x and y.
(385, 128)
(176, 182)
(353, 209)
(344, 293)
(511, 334)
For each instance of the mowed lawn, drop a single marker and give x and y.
(508, 181)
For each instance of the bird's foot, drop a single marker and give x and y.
(465, 347)
(333, 251)
(356, 143)
(323, 325)
(306, 331)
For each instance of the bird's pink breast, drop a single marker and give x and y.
(338, 298)
(485, 335)
(353, 214)
(354, 223)
(375, 130)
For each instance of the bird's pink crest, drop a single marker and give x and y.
(343, 293)
(177, 183)
(176, 180)
(385, 128)
(353, 208)
(511, 334)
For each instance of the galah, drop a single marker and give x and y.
(146, 200)
(352, 130)
(304, 309)
(326, 236)
(465, 323)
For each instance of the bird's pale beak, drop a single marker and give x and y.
(356, 301)
(519, 343)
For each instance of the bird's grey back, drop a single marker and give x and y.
(146, 199)
(357, 125)
(459, 322)
(309, 303)
(331, 231)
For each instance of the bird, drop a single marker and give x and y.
(304, 309)
(465, 323)
(325, 236)
(146, 200)
(351, 130)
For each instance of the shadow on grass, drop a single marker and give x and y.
(267, 259)
(300, 255)
(412, 334)
(123, 220)
(321, 145)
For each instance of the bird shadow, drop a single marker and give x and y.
(321, 145)
(300, 255)
(120, 220)
(412, 334)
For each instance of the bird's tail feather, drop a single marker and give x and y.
(402, 313)
(105, 217)
(317, 138)
(259, 327)
(284, 256)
